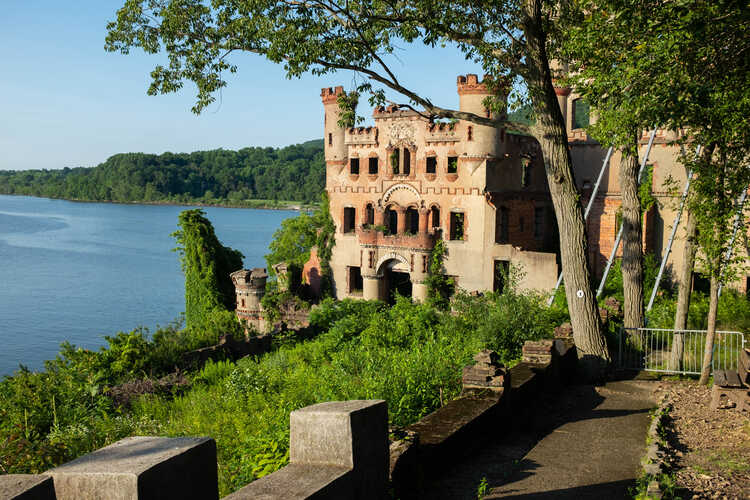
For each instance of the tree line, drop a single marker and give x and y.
(292, 173)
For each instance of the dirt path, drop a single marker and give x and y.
(711, 447)
(587, 442)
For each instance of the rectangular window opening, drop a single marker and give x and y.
(452, 164)
(349, 218)
(355, 279)
(457, 226)
(501, 225)
(330, 139)
(373, 166)
(431, 165)
(501, 268)
(354, 166)
(580, 113)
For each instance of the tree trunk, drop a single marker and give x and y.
(551, 133)
(684, 290)
(632, 252)
(713, 305)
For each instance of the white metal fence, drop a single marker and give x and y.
(676, 351)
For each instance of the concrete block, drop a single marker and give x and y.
(26, 487)
(352, 434)
(299, 482)
(142, 468)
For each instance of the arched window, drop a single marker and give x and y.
(469, 133)
(391, 220)
(412, 220)
(435, 216)
(395, 159)
(407, 162)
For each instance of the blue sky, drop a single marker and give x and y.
(65, 102)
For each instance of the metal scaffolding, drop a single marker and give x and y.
(672, 235)
(619, 233)
(585, 215)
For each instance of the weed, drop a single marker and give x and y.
(483, 488)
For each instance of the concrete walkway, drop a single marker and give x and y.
(586, 442)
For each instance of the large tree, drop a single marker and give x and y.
(682, 66)
(509, 38)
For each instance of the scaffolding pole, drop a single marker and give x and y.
(672, 235)
(619, 233)
(737, 221)
(585, 214)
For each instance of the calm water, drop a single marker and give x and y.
(79, 271)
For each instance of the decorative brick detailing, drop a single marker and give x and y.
(487, 373)
(538, 351)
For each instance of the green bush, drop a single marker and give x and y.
(411, 355)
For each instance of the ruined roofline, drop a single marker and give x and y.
(331, 94)
(470, 84)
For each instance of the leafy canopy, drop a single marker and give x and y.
(321, 37)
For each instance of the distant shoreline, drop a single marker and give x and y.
(280, 205)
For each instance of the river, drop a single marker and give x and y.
(79, 271)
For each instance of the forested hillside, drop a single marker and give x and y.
(294, 173)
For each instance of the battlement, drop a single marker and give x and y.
(440, 126)
(392, 111)
(331, 94)
(441, 132)
(470, 84)
(361, 135)
(246, 278)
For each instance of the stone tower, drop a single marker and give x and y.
(483, 141)
(334, 135)
(250, 287)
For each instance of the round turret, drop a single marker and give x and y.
(480, 140)
(335, 146)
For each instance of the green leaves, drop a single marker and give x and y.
(206, 264)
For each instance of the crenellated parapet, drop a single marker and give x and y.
(441, 132)
(250, 287)
(392, 111)
(470, 84)
(331, 94)
(361, 135)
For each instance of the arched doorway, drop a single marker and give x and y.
(396, 279)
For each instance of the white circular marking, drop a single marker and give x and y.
(579, 294)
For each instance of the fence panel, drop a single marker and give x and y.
(676, 351)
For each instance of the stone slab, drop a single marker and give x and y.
(142, 468)
(298, 482)
(445, 422)
(26, 487)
